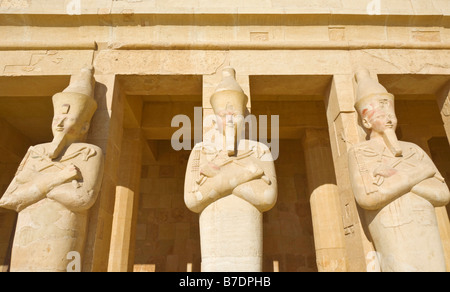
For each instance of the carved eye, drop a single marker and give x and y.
(65, 109)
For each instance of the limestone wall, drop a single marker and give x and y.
(167, 233)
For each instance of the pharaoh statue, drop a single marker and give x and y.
(56, 184)
(397, 185)
(230, 182)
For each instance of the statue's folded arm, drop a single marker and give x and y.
(81, 196)
(397, 184)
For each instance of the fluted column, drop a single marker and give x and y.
(325, 205)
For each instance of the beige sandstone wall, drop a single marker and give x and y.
(167, 233)
(288, 235)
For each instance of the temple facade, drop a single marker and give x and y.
(156, 64)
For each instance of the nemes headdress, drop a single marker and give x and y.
(78, 98)
(368, 89)
(229, 92)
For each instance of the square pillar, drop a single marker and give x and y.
(344, 133)
(443, 98)
(106, 132)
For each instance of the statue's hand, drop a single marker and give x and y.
(234, 175)
(249, 173)
(423, 171)
(70, 172)
(384, 171)
(210, 169)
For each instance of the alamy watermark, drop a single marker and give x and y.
(182, 138)
(75, 261)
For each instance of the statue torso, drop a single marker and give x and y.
(401, 228)
(47, 231)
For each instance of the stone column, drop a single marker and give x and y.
(345, 132)
(325, 203)
(443, 97)
(121, 253)
(106, 132)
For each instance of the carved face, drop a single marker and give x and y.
(230, 122)
(379, 115)
(230, 115)
(67, 123)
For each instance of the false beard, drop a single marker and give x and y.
(57, 145)
(390, 138)
(230, 139)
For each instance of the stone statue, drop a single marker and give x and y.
(398, 185)
(230, 181)
(56, 184)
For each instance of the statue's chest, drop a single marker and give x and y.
(372, 158)
(39, 162)
(409, 159)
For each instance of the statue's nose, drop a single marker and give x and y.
(61, 122)
(390, 119)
